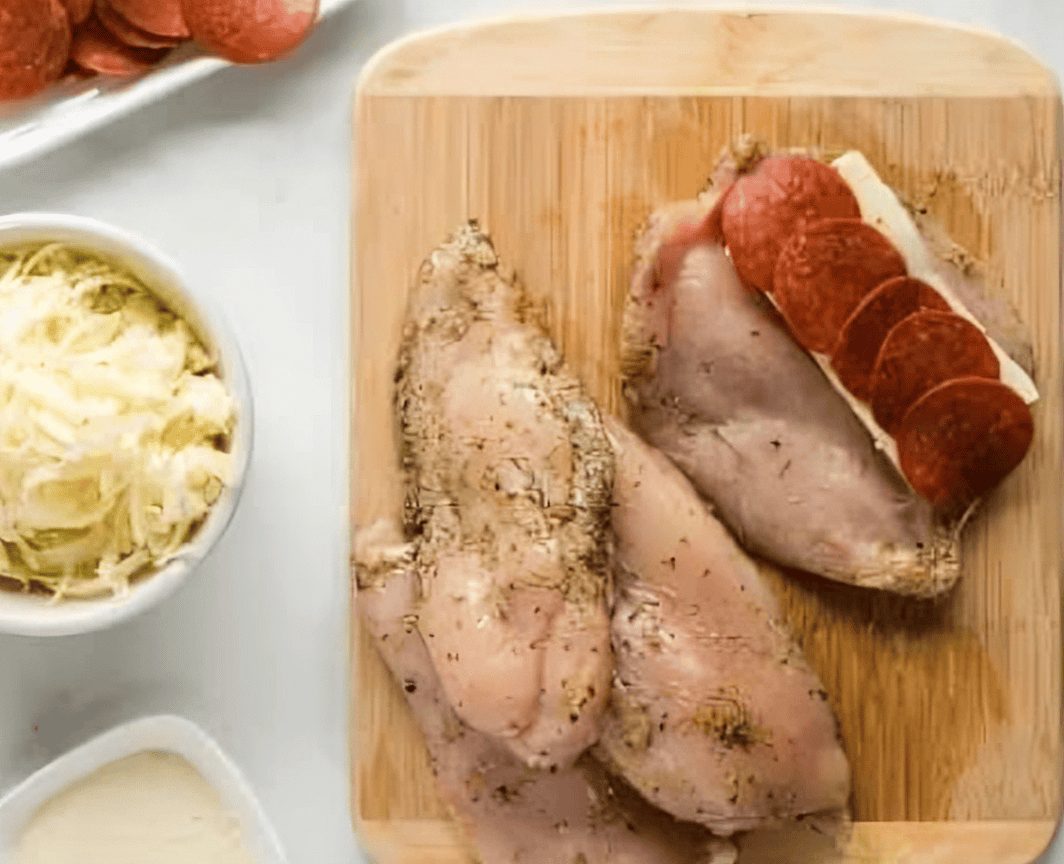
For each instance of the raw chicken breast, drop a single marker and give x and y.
(967, 278)
(716, 717)
(720, 387)
(512, 814)
(508, 475)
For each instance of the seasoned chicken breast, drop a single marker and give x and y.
(718, 384)
(508, 475)
(511, 813)
(716, 716)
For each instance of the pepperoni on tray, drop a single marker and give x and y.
(854, 355)
(128, 32)
(921, 352)
(764, 208)
(825, 271)
(160, 17)
(97, 50)
(250, 31)
(962, 438)
(34, 46)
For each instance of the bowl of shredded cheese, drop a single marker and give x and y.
(125, 425)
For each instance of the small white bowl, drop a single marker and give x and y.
(28, 614)
(160, 734)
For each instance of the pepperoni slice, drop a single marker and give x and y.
(250, 31)
(97, 50)
(34, 46)
(159, 17)
(764, 208)
(825, 271)
(78, 10)
(920, 352)
(962, 438)
(73, 72)
(854, 356)
(127, 32)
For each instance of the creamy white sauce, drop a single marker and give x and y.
(152, 807)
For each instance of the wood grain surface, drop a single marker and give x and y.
(560, 135)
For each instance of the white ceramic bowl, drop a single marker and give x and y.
(35, 615)
(161, 734)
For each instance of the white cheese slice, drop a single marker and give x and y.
(880, 438)
(881, 208)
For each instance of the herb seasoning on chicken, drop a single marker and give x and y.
(508, 475)
(710, 686)
(576, 815)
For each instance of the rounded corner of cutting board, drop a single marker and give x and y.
(721, 51)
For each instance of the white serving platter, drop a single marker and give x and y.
(159, 734)
(71, 109)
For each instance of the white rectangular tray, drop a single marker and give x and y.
(69, 110)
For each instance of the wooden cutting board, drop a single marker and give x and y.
(560, 134)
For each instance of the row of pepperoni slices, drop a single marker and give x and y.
(793, 229)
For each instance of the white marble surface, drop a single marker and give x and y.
(245, 179)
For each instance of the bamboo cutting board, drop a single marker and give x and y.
(561, 134)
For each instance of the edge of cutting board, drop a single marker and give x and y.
(439, 842)
(718, 51)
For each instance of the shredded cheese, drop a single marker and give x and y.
(114, 426)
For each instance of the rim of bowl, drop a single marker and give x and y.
(85, 615)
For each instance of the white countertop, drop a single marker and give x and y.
(245, 179)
